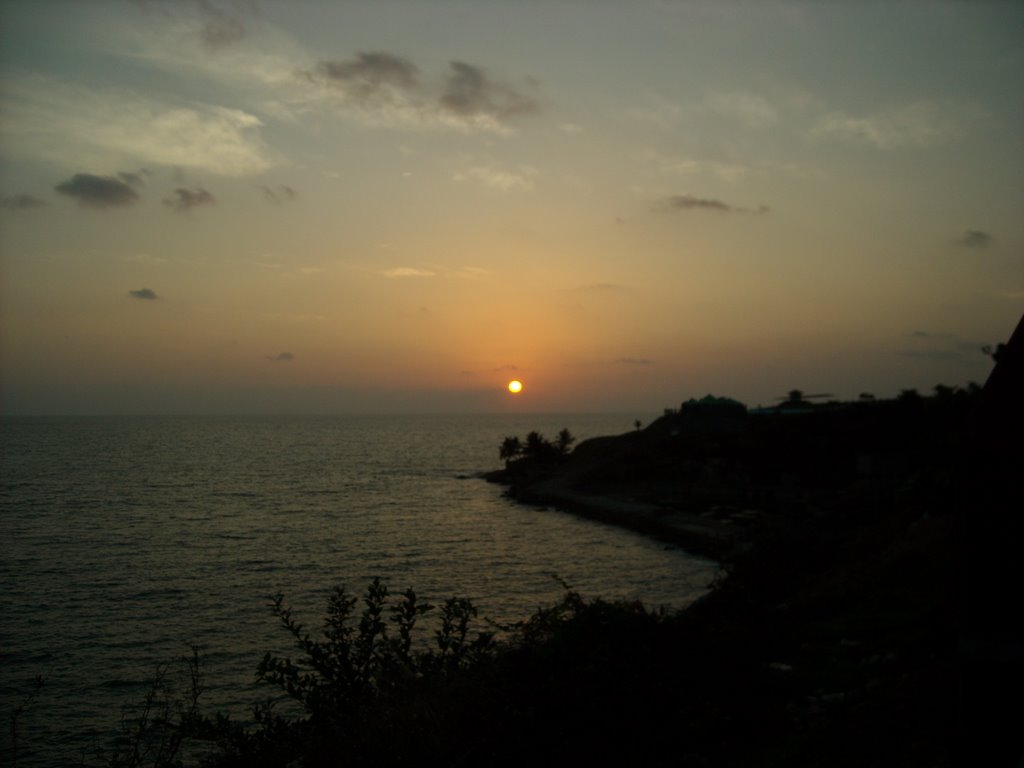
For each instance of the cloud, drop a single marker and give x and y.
(219, 29)
(281, 357)
(691, 203)
(97, 191)
(279, 194)
(917, 125)
(685, 166)
(185, 200)
(469, 92)
(400, 272)
(133, 179)
(635, 361)
(143, 293)
(975, 238)
(506, 367)
(68, 124)
(371, 76)
(21, 202)
(498, 178)
(389, 88)
(471, 273)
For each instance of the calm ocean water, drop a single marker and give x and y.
(125, 539)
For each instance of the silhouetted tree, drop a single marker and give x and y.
(536, 446)
(565, 441)
(511, 448)
(994, 352)
(910, 398)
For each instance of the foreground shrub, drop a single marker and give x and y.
(376, 687)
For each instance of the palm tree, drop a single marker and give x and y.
(510, 449)
(536, 446)
(565, 441)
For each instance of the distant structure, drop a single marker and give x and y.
(796, 400)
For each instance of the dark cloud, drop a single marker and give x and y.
(634, 361)
(466, 92)
(975, 238)
(469, 91)
(279, 194)
(143, 293)
(370, 75)
(691, 203)
(219, 28)
(98, 191)
(281, 357)
(21, 202)
(185, 200)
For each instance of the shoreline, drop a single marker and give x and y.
(716, 534)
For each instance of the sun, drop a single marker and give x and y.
(515, 386)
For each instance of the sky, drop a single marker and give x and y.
(230, 206)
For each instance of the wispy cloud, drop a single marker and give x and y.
(184, 200)
(499, 178)
(921, 124)
(281, 357)
(98, 191)
(401, 272)
(685, 166)
(76, 125)
(641, 361)
(975, 238)
(279, 194)
(145, 294)
(693, 203)
(21, 202)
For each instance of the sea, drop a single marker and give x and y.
(125, 541)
